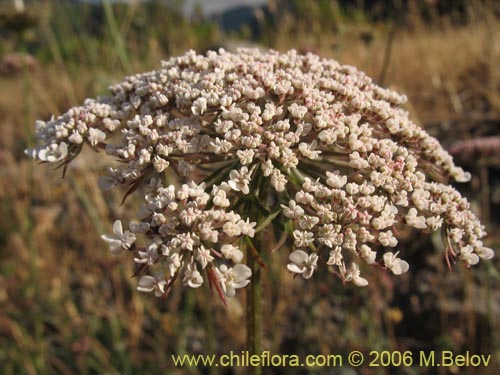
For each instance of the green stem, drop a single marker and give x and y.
(28, 227)
(254, 311)
(117, 36)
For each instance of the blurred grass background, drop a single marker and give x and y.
(68, 307)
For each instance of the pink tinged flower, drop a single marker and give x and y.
(380, 223)
(144, 157)
(456, 234)
(278, 180)
(267, 168)
(415, 221)
(387, 239)
(297, 111)
(357, 162)
(204, 256)
(119, 240)
(232, 278)
(245, 156)
(308, 222)
(199, 106)
(160, 164)
(367, 254)
(207, 233)
(468, 256)
(420, 198)
(221, 146)
(304, 197)
(309, 150)
(327, 136)
(288, 158)
(189, 216)
(239, 180)
(335, 257)
(150, 284)
(302, 263)
(174, 262)
(335, 180)
(396, 265)
(192, 277)
(434, 222)
(184, 241)
(303, 238)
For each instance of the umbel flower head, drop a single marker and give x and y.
(223, 145)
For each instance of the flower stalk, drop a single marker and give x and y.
(254, 309)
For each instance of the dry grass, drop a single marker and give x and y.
(68, 307)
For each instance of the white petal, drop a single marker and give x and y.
(237, 256)
(485, 253)
(108, 238)
(389, 260)
(42, 154)
(117, 228)
(240, 284)
(241, 272)
(146, 284)
(404, 266)
(470, 259)
(298, 257)
(63, 150)
(195, 280)
(234, 185)
(360, 281)
(294, 268)
(76, 137)
(400, 266)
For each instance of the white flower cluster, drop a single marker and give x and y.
(342, 157)
(186, 229)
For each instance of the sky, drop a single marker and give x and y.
(209, 6)
(214, 6)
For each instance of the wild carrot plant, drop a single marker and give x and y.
(225, 145)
